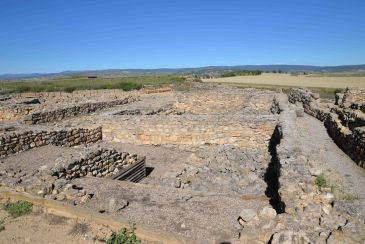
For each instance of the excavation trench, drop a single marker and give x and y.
(272, 173)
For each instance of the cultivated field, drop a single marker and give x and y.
(287, 80)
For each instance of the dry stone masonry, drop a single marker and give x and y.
(345, 122)
(22, 141)
(59, 114)
(98, 163)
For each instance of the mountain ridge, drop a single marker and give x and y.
(270, 67)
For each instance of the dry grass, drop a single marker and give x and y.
(55, 219)
(79, 228)
(287, 80)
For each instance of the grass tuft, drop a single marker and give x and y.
(18, 208)
(350, 198)
(321, 182)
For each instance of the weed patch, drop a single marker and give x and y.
(18, 208)
(350, 198)
(124, 236)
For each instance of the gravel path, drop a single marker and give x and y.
(342, 172)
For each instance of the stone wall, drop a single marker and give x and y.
(345, 125)
(352, 142)
(22, 141)
(98, 163)
(59, 114)
(186, 130)
(354, 98)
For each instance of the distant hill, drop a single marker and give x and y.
(124, 72)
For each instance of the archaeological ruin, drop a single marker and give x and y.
(204, 164)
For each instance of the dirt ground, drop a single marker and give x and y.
(41, 227)
(36, 158)
(290, 80)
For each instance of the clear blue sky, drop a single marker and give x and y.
(57, 35)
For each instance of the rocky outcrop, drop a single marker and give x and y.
(345, 123)
(59, 114)
(22, 141)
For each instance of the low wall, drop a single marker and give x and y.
(59, 114)
(353, 98)
(189, 130)
(351, 142)
(345, 126)
(17, 142)
(99, 163)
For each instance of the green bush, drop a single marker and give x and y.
(128, 86)
(123, 237)
(18, 208)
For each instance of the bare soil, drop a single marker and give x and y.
(42, 227)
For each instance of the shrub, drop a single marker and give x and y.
(124, 237)
(127, 86)
(241, 73)
(18, 208)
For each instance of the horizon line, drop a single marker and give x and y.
(172, 68)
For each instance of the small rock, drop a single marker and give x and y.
(248, 215)
(315, 172)
(85, 198)
(289, 237)
(329, 198)
(115, 205)
(41, 193)
(20, 189)
(268, 213)
(177, 183)
(61, 197)
(326, 209)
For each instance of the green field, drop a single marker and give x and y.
(83, 83)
